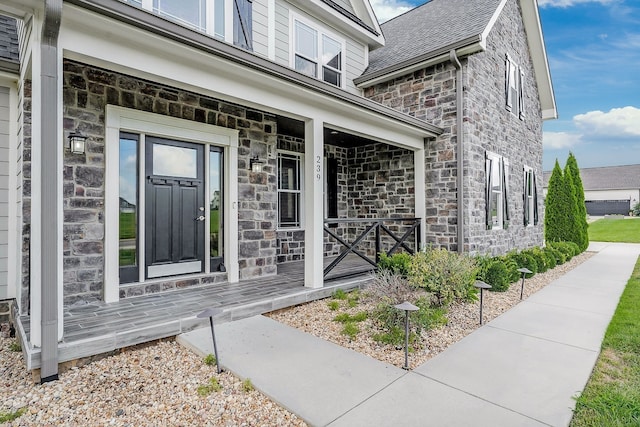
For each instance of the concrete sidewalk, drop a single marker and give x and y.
(521, 369)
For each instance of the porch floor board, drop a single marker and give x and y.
(98, 328)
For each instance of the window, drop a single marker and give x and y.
(289, 190)
(242, 24)
(317, 54)
(207, 16)
(514, 90)
(496, 197)
(530, 197)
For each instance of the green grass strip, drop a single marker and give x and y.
(612, 395)
(623, 230)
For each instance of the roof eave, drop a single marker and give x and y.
(123, 12)
(464, 47)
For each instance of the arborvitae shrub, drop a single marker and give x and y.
(551, 260)
(541, 260)
(525, 260)
(511, 263)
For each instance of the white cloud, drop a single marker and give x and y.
(387, 9)
(559, 140)
(618, 122)
(569, 3)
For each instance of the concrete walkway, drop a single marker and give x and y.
(521, 369)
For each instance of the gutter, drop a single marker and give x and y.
(144, 20)
(460, 148)
(50, 190)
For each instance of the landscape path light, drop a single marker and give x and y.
(407, 307)
(524, 272)
(211, 313)
(482, 286)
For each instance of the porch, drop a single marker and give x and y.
(98, 328)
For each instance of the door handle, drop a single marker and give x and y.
(200, 218)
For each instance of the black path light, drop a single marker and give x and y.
(524, 272)
(407, 307)
(482, 286)
(211, 313)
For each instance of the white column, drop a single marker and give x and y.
(420, 192)
(313, 214)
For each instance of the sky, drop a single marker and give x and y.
(593, 49)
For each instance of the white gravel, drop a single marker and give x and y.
(156, 385)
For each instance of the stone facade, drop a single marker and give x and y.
(430, 94)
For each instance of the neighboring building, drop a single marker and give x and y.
(608, 190)
(277, 115)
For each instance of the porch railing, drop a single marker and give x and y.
(387, 235)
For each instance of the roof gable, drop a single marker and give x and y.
(425, 35)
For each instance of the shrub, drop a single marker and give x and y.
(567, 249)
(497, 276)
(541, 259)
(387, 285)
(446, 275)
(525, 260)
(636, 209)
(209, 359)
(550, 258)
(396, 263)
(511, 262)
(560, 257)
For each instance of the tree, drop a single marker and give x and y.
(558, 216)
(574, 229)
(580, 211)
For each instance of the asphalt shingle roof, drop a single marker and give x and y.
(430, 28)
(607, 178)
(9, 50)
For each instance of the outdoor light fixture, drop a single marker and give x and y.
(77, 142)
(524, 272)
(407, 307)
(211, 313)
(482, 286)
(255, 164)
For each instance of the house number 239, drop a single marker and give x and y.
(318, 168)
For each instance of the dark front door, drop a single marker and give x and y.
(175, 209)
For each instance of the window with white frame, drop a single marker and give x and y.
(207, 16)
(514, 88)
(317, 53)
(289, 189)
(530, 197)
(497, 189)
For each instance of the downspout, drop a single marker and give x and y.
(460, 148)
(50, 190)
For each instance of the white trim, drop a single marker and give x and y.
(174, 269)
(123, 119)
(300, 191)
(420, 193)
(314, 214)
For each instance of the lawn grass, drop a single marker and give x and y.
(625, 230)
(612, 395)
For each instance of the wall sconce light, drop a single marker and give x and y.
(77, 142)
(255, 164)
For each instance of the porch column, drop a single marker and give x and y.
(420, 192)
(313, 203)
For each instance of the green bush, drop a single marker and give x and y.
(446, 275)
(396, 263)
(550, 258)
(497, 275)
(511, 262)
(525, 260)
(566, 248)
(636, 209)
(540, 257)
(561, 258)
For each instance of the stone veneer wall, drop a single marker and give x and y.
(429, 94)
(24, 180)
(87, 90)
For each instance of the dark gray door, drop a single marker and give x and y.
(175, 210)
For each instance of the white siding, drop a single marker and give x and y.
(5, 118)
(260, 28)
(282, 33)
(355, 64)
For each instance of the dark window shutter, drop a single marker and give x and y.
(507, 88)
(489, 192)
(505, 194)
(525, 197)
(535, 199)
(332, 188)
(243, 24)
(521, 95)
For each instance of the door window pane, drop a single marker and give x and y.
(289, 208)
(175, 161)
(215, 203)
(128, 212)
(190, 12)
(289, 172)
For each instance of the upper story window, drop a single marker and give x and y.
(497, 189)
(530, 197)
(514, 88)
(317, 53)
(208, 16)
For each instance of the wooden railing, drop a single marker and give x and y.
(373, 234)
